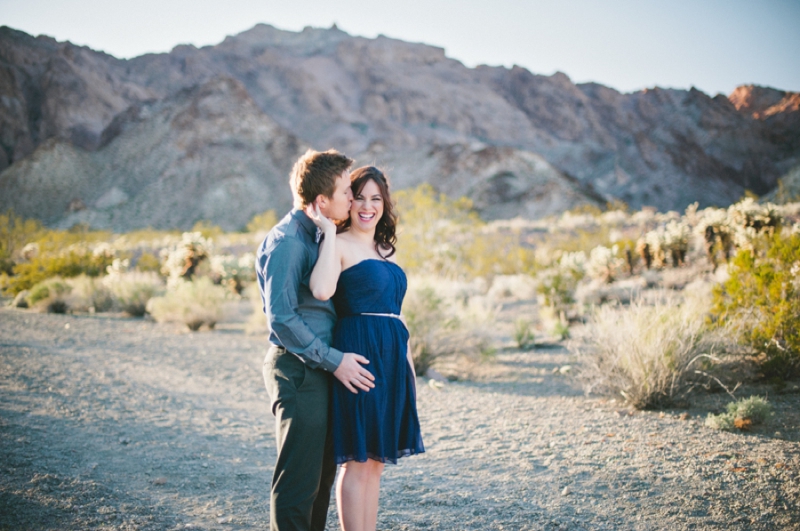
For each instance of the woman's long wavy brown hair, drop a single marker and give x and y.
(385, 237)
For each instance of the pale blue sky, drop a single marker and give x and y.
(714, 45)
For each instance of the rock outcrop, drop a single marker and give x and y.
(87, 137)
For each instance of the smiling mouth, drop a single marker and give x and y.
(366, 217)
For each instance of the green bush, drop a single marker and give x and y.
(15, 232)
(69, 264)
(148, 262)
(262, 222)
(741, 414)
(761, 300)
(194, 303)
(49, 295)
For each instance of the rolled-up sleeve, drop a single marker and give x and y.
(281, 272)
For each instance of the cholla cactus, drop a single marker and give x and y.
(657, 247)
(232, 271)
(614, 217)
(676, 241)
(715, 227)
(603, 263)
(573, 264)
(30, 251)
(103, 250)
(748, 213)
(644, 217)
(118, 267)
(182, 260)
(571, 221)
(749, 219)
(643, 248)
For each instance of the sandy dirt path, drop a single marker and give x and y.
(112, 423)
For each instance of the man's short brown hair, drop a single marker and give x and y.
(315, 173)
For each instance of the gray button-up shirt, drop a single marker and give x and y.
(298, 322)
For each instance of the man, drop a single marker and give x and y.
(299, 361)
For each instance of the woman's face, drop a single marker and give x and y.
(367, 207)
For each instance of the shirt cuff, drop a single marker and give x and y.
(331, 362)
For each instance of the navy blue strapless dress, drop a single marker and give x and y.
(381, 424)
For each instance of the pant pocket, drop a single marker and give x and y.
(289, 369)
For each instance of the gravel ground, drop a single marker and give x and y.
(114, 423)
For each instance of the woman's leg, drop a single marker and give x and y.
(357, 494)
(371, 495)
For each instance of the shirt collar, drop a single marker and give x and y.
(305, 221)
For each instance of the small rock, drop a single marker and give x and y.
(66, 326)
(684, 416)
(433, 384)
(223, 520)
(124, 440)
(566, 491)
(160, 481)
(565, 369)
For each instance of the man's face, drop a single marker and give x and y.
(338, 206)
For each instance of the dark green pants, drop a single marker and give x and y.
(305, 469)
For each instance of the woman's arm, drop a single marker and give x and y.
(329, 265)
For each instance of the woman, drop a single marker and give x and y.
(357, 268)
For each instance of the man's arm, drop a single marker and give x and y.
(280, 272)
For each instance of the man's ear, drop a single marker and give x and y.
(321, 201)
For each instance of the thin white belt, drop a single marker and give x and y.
(382, 315)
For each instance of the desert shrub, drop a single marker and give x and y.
(523, 333)
(49, 295)
(485, 253)
(434, 230)
(15, 233)
(207, 230)
(516, 287)
(762, 300)
(445, 237)
(445, 322)
(62, 254)
(432, 332)
(557, 288)
(194, 303)
(88, 294)
(556, 285)
(257, 321)
(262, 222)
(644, 352)
(148, 262)
(741, 414)
(132, 290)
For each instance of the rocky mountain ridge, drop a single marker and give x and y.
(167, 139)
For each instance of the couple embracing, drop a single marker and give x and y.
(338, 370)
